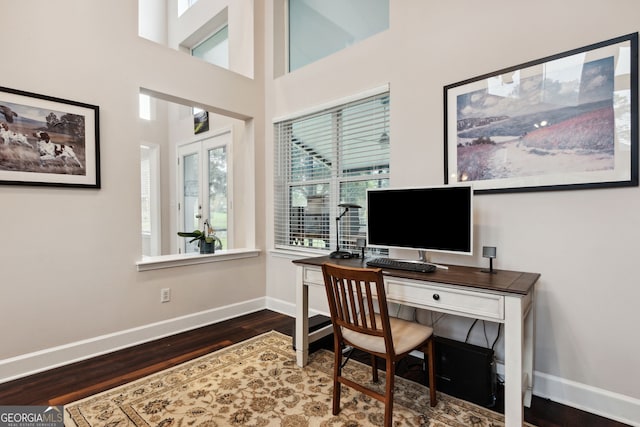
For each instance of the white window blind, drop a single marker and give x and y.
(324, 159)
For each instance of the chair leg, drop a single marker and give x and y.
(374, 368)
(432, 372)
(388, 397)
(337, 373)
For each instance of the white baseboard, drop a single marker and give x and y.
(288, 308)
(43, 360)
(281, 306)
(614, 406)
(595, 400)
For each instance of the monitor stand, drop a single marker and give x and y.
(422, 257)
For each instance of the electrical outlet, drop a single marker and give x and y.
(165, 294)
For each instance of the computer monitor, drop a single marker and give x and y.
(438, 219)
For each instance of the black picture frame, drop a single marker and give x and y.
(564, 122)
(48, 141)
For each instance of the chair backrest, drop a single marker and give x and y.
(351, 293)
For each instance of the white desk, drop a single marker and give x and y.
(505, 297)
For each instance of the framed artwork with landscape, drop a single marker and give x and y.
(564, 122)
(48, 141)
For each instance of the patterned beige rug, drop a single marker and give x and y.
(257, 383)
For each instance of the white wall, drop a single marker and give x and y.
(154, 24)
(584, 243)
(68, 256)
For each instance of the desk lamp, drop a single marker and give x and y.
(338, 253)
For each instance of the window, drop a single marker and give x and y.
(214, 49)
(324, 159)
(204, 189)
(150, 199)
(184, 5)
(144, 103)
(318, 28)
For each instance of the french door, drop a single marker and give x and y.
(204, 189)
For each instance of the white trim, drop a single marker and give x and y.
(50, 358)
(297, 253)
(280, 306)
(288, 308)
(614, 406)
(332, 104)
(178, 260)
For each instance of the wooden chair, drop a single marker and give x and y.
(351, 293)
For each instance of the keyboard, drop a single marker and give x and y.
(397, 264)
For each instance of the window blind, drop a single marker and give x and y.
(323, 159)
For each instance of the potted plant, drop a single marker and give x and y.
(207, 240)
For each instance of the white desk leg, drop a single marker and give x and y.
(513, 343)
(302, 318)
(529, 338)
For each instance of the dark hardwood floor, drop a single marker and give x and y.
(82, 379)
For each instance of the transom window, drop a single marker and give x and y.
(325, 159)
(214, 49)
(318, 28)
(184, 5)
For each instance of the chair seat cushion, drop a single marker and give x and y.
(406, 336)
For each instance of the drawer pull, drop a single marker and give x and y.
(436, 297)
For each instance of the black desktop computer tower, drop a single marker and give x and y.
(465, 371)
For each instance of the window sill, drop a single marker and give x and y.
(297, 253)
(179, 260)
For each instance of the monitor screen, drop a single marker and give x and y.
(429, 218)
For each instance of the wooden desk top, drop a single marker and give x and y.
(514, 282)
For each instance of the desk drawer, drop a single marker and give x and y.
(313, 276)
(445, 299)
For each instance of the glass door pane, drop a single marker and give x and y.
(217, 192)
(190, 213)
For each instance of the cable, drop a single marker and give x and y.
(484, 327)
(348, 350)
(497, 336)
(466, 340)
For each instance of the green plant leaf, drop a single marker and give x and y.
(195, 233)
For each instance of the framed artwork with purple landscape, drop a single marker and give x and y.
(48, 141)
(568, 121)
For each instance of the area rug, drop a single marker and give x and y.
(257, 383)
